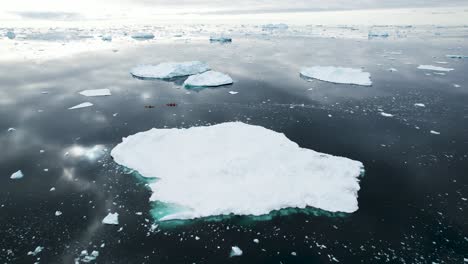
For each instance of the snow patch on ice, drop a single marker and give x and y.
(338, 75)
(235, 252)
(142, 35)
(228, 170)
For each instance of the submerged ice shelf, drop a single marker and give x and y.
(169, 70)
(236, 168)
(338, 75)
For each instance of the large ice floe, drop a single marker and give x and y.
(339, 75)
(434, 68)
(208, 79)
(236, 168)
(169, 70)
(96, 92)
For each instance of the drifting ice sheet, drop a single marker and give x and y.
(434, 68)
(96, 92)
(338, 75)
(208, 79)
(111, 219)
(236, 168)
(169, 70)
(82, 105)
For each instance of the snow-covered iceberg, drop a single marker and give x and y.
(339, 75)
(208, 79)
(236, 168)
(169, 70)
(96, 92)
(453, 56)
(434, 68)
(142, 35)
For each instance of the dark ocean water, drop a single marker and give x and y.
(413, 204)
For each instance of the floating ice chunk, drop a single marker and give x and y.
(225, 160)
(420, 105)
(58, 213)
(235, 252)
(169, 70)
(36, 251)
(10, 35)
(106, 38)
(386, 114)
(372, 34)
(457, 56)
(338, 75)
(82, 105)
(208, 79)
(96, 92)
(256, 240)
(17, 175)
(220, 39)
(435, 132)
(52, 189)
(280, 26)
(87, 258)
(111, 219)
(142, 35)
(392, 70)
(233, 92)
(434, 68)
(11, 129)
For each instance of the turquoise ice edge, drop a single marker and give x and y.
(160, 209)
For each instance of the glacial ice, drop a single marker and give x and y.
(434, 68)
(17, 175)
(111, 219)
(236, 168)
(82, 105)
(10, 35)
(106, 38)
(235, 252)
(85, 257)
(221, 38)
(142, 35)
(96, 92)
(208, 79)
(169, 70)
(451, 56)
(338, 75)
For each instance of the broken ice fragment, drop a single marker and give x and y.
(220, 39)
(17, 175)
(208, 79)
(36, 251)
(82, 105)
(457, 56)
(232, 92)
(169, 70)
(434, 68)
(11, 129)
(386, 114)
(338, 75)
(420, 105)
(435, 132)
(235, 252)
(142, 35)
(111, 219)
(96, 92)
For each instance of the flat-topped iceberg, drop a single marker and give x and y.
(96, 92)
(236, 168)
(208, 79)
(111, 219)
(434, 68)
(339, 75)
(142, 35)
(169, 70)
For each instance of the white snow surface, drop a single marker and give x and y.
(111, 219)
(340, 75)
(168, 70)
(434, 68)
(236, 168)
(82, 105)
(96, 92)
(208, 79)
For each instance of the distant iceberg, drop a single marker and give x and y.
(280, 26)
(208, 79)
(142, 35)
(229, 169)
(457, 56)
(106, 38)
(220, 39)
(10, 35)
(235, 252)
(169, 70)
(372, 34)
(111, 219)
(338, 75)
(96, 92)
(434, 68)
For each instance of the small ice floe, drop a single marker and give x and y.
(435, 132)
(373, 34)
(256, 240)
(280, 26)
(58, 213)
(96, 92)
(169, 70)
(386, 114)
(10, 35)
(143, 36)
(111, 219)
(11, 129)
(87, 258)
(44, 92)
(235, 252)
(208, 79)
(419, 105)
(36, 251)
(434, 68)
(293, 253)
(338, 75)
(232, 92)
(441, 62)
(392, 70)
(221, 38)
(456, 85)
(452, 56)
(82, 105)
(106, 38)
(17, 175)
